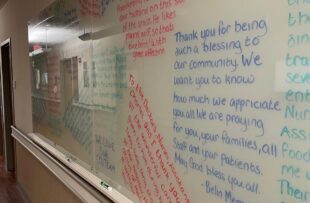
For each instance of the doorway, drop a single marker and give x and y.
(7, 105)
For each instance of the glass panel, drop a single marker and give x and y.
(178, 101)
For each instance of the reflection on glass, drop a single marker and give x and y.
(94, 75)
(59, 76)
(44, 79)
(37, 78)
(75, 78)
(79, 67)
(85, 75)
(55, 86)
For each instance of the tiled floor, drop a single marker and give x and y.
(9, 192)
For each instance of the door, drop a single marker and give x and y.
(7, 113)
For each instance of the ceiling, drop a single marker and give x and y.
(2, 3)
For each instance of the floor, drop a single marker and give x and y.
(9, 192)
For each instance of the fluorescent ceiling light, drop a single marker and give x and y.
(50, 35)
